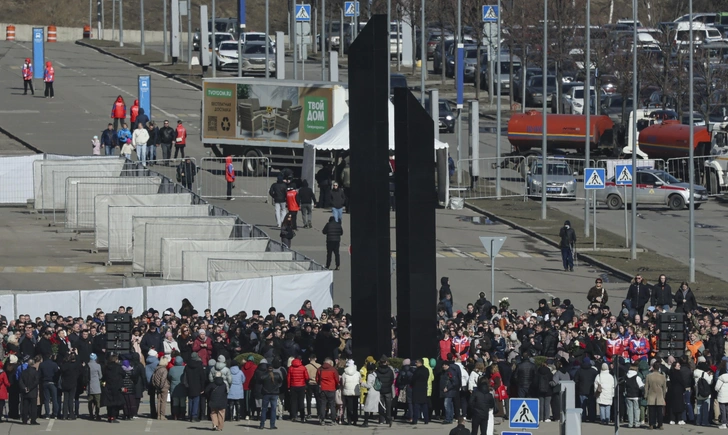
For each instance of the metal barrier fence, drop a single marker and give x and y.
(81, 191)
(252, 178)
(680, 169)
(215, 265)
(168, 168)
(609, 164)
(479, 178)
(564, 177)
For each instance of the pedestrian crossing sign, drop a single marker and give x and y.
(351, 9)
(523, 413)
(490, 14)
(623, 175)
(594, 178)
(303, 13)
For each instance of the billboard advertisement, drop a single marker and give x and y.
(266, 112)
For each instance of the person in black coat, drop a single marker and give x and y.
(186, 172)
(639, 294)
(323, 178)
(419, 391)
(139, 377)
(481, 403)
(525, 373)
(306, 199)
(460, 429)
(195, 375)
(153, 339)
(98, 346)
(70, 373)
(685, 299)
(333, 231)
(584, 379)
(29, 382)
(216, 393)
(445, 295)
(567, 245)
(662, 294)
(111, 394)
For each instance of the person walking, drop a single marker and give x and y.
(293, 205)
(142, 118)
(323, 178)
(287, 233)
(346, 182)
(333, 231)
(133, 114)
(118, 112)
(337, 199)
(167, 136)
(217, 393)
(277, 192)
(567, 245)
(598, 294)
(27, 72)
(29, 382)
(124, 138)
(270, 382)
(95, 146)
(95, 376)
(229, 177)
(180, 140)
(109, 140)
(655, 391)
(153, 142)
(186, 172)
(49, 76)
(139, 141)
(161, 384)
(307, 200)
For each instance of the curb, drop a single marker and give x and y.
(141, 65)
(589, 259)
(21, 141)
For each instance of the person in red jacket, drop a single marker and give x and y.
(293, 205)
(118, 112)
(133, 113)
(203, 346)
(49, 76)
(328, 380)
(28, 77)
(181, 140)
(297, 381)
(4, 385)
(229, 177)
(249, 369)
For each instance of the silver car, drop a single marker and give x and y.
(253, 60)
(654, 187)
(560, 180)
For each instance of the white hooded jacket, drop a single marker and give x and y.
(606, 381)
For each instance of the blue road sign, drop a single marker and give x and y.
(523, 414)
(459, 75)
(145, 94)
(594, 178)
(490, 14)
(623, 175)
(351, 9)
(38, 52)
(303, 13)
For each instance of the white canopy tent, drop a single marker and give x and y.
(337, 139)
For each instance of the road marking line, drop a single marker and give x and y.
(438, 255)
(58, 63)
(479, 254)
(50, 425)
(449, 254)
(149, 426)
(508, 254)
(524, 255)
(537, 255)
(167, 114)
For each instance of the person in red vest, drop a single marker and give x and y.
(229, 177)
(181, 140)
(118, 111)
(28, 77)
(133, 113)
(293, 205)
(49, 76)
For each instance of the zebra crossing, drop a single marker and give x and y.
(454, 253)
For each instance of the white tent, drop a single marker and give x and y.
(337, 138)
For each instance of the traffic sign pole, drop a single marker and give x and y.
(594, 178)
(594, 198)
(624, 175)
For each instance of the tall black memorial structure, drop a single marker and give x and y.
(416, 201)
(371, 288)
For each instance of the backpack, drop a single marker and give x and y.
(377, 383)
(703, 387)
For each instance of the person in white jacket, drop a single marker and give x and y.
(633, 392)
(139, 139)
(350, 380)
(721, 387)
(475, 375)
(702, 371)
(604, 384)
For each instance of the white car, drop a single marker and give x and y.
(227, 55)
(573, 102)
(246, 37)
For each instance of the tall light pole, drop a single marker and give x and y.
(141, 19)
(497, 106)
(544, 163)
(214, 46)
(164, 29)
(267, 43)
(587, 108)
(323, 40)
(389, 54)
(633, 247)
(423, 54)
(691, 156)
(121, 23)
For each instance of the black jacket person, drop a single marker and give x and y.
(567, 244)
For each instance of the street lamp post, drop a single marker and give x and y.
(633, 246)
(691, 156)
(544, 166)
(587, 109)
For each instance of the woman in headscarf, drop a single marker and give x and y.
(306, 310)
(675, 390)
(170, 343)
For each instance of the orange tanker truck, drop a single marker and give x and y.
(671, 139)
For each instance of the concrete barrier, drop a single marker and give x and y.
(24, 33)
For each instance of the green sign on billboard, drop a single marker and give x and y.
(315, 114)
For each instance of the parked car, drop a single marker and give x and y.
(437, 61)
(222, 25)
(534, 90)
(517, 81)
(253, 59)
(560, 179)
(470, 60)
(432, 40)
(612, 107)
(654, 187)
(504, 77)
(246, 37)
(573, 102)
(446, 116)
